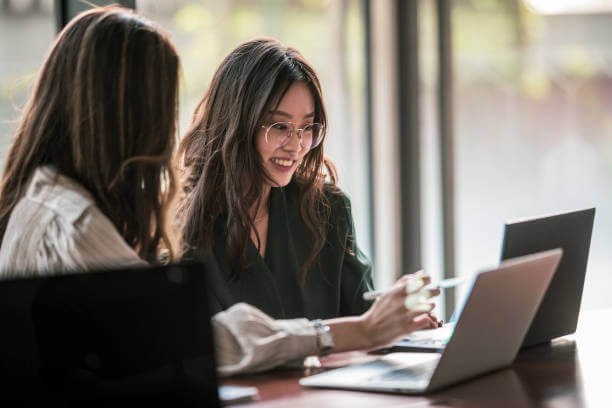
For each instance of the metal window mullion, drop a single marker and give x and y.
(367, 18)
(409, 135)
(445, 126)
(65, 10)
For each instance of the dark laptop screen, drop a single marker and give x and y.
(108, 338)
(571, 231)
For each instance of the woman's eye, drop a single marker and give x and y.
(280, 126)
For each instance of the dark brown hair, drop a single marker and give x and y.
(103, 112)
(223, 169)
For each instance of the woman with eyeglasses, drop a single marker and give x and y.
(261, 197)
(88, 183)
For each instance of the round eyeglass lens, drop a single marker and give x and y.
(279, 134)
(311, 137)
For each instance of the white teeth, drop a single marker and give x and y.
(281, 162)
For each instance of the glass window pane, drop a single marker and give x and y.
(431, 190)
(532, 124)
(27, 29)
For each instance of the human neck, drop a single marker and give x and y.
(262, 210)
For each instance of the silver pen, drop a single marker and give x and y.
(442, 284)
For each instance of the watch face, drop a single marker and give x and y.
(325, 339)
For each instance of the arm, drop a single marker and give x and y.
(247, 340)
(385, 322)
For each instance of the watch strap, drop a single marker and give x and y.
(325, 339)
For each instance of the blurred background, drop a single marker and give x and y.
(490, 110)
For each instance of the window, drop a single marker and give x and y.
(27, 28)
(532, 85)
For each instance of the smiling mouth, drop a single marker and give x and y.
(283, 162)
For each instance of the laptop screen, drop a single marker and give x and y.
(109, 337)
(571, 231)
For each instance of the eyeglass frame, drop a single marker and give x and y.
(298, 131)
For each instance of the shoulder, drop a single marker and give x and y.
(337, 198)
(332, 195)
(54, 193)
(51, 204)
(339, 206)
(56, 226)
(333, 200)
(99, 243)
(59, 206)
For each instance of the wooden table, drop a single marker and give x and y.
(572, 371)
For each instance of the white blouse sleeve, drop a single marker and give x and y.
(247, 340)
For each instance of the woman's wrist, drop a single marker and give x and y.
(367, 333)
(350, 333)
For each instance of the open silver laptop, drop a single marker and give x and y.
(487, 336)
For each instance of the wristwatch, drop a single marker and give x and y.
(325, 340)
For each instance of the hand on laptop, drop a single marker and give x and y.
(402, 310)
(396, 313)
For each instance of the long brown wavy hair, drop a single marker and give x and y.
(103, 112)
(224, 171)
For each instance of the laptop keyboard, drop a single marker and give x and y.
(428, 342)
(408, 373)
(397, 372)
(437, 338)
(415, 376)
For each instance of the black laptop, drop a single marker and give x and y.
(558, 313)
(110, 338)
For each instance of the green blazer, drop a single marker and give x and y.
(334, 283)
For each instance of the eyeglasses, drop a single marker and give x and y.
(279, 134)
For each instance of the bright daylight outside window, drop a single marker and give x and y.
(27, 28)
(532, 85)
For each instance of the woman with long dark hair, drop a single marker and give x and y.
(258, 198)
(88, 178)
(261, 198)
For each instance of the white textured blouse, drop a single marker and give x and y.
(57, 226)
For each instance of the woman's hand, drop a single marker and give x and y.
(402, 310)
